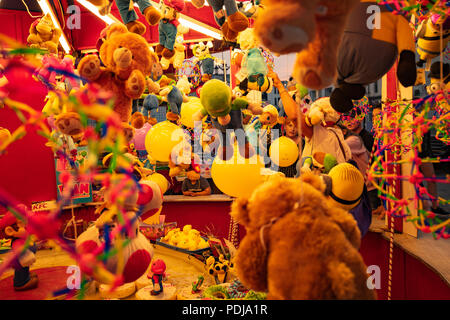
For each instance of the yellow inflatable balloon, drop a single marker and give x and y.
(237, 177)
(161, 139)
(188, 109)
(283, 152)
(160, 180)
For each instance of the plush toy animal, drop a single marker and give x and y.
(127, 59)
(169, 26)
(369, 52)
(128, 14)
(230, 20)
(226, 115)
(429, 37)
(44, 35)
(205, 59)
(312, 28)
(177, 59)
(298, 246)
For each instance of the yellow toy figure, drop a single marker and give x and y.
(44, 35)
(430, 40)
(205, 59)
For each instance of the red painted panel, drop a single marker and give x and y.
(423, 283)
(27, 169)
(15, 24)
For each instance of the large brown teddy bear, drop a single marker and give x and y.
(297, 246)
(313, 28)
(128, 60)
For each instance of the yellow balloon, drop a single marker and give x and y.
(161, 139)
(237, 177)
(188, 109)
(160, 180)
(283, 152)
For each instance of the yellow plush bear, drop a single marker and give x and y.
(44, 34)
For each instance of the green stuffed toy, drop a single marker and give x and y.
(226, 116)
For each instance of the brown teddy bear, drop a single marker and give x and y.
(297, 245)
(128, 60)
(44, 35)
(313, 28)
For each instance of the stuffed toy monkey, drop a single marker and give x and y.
(44, 35)
(230, 20)
(368, 52)
(128, 15)
(312, 28)
(168, 27)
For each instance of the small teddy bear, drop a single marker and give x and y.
(169, 27)
(287, 235)
(231, 20)
(127, 59)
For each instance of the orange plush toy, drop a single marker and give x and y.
(298, 246)
(128, 60)
(313, 28)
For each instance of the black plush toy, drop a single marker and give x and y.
(369, 50)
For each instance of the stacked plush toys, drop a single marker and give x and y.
(188, 239)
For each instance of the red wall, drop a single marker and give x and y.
(27, 169)
(411, 278)
(16, 24)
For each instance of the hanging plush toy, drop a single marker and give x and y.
(226, 116)
(429, 37)
(177, 59)
(367, 54)
(44, 34)
(227, 16)
(127, 59)
(313, 28)
(204, 59)
(128, 14)
(168, 27)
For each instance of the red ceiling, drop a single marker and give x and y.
(16, 24)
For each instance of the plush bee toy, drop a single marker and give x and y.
(429, 35)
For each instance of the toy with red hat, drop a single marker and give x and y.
(169, 26)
